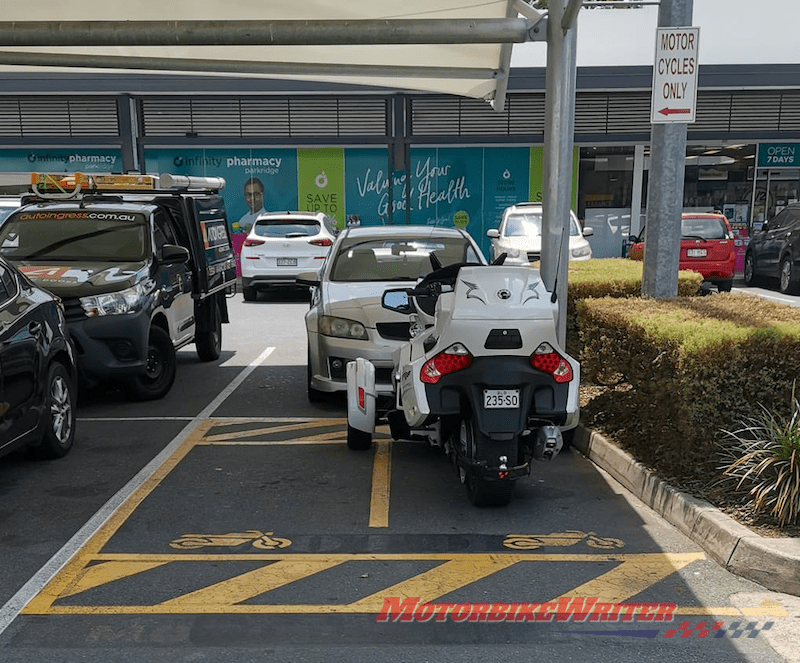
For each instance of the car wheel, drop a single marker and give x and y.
(787, 284)
(209, 343)
(358, 439)
(250, 294)
(725, 286)
(314, 395)
(160, 367)
(749, 270)
(59, 435)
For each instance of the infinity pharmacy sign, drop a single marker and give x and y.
(675, 75)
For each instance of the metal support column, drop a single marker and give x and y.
(558, 147)
(665, 185)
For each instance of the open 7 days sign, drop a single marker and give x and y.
(675, 75)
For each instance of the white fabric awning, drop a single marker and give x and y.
(459, 47)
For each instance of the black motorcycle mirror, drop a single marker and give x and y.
(499, 260)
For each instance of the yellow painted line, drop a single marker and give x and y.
(634, 576)
(345, 608)
(381, 482)
(71, 572)
(102, 574)
(441, 580)
(251, 584)
(270, 443)
(270, 430)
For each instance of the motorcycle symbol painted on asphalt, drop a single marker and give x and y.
(560, 539)
(258, 539)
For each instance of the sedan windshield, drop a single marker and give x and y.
(398, 259)
(74, 235)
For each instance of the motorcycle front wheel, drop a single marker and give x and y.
(480, 491)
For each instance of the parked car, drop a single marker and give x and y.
(346, 319)
(8, 204)
(37, 369)
(707, 247)
(520, 235)
(774, 251)
(281, 245)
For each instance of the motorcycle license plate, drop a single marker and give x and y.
(287, 262)
(696, 253)
(494, 399)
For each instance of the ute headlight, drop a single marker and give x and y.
(581, 251)
(342, 328)
(115, 303)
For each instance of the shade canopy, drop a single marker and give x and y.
(458, 47)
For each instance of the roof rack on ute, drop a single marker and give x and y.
(65, 186)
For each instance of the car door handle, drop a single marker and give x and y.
(35, 328)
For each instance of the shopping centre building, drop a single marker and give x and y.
(379, 155)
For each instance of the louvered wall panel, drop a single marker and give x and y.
(435, 116)
(265, 117)
(629, 112)
(790, 111)
(363, 117)
(755, 112)
(712, 112)
(313, 117)
(526, 114)
(216, 117)
(22, 117)
(478, 118)
(10, 117)
(167, 117)
(591, 114)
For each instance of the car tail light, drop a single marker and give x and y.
(454, 358)
(253, 242)
(321, 242)
(547, 360)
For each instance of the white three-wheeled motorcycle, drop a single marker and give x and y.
(483, 376)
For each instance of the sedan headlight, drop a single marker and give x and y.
(581, 251)
(115, 303)
(342, 328)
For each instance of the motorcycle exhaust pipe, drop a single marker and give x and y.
(548, 443)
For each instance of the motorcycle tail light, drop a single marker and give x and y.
(547, 360)
(253, 242)
(321, 242)
(450, 360)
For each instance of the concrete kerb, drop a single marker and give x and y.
(772, 562)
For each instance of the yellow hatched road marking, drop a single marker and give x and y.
(633, 577)
(252, 584)
(254, 432)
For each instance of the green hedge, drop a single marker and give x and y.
(691, 366)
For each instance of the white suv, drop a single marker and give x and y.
(520, 235)
(280, 245)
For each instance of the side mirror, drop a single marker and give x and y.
(765, 226)
(310, 279)
(397, 300)
(493, 233)
(172, 254)
(633, 239)
(588, 232)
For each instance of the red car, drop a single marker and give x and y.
(707, 247)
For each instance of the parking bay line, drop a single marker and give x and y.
(70, 552)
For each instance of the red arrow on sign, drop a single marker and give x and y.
(673, 111)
